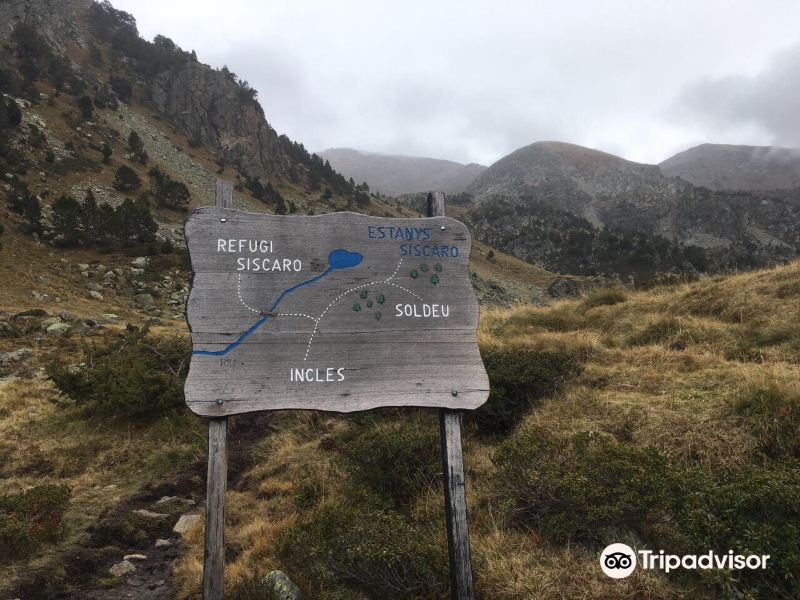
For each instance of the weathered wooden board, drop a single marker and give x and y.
(337, 312)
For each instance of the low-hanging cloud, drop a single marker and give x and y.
(764, 105)
(474, 80)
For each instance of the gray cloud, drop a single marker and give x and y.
(471, 80)
(766, 103)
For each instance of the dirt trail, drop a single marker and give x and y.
(124, 531)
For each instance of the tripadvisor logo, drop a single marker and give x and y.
(620, 560)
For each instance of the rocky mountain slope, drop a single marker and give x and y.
(579, 210)
(395, 175)
(729, 167)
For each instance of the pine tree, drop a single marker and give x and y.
(134, 223)
(136, 146)
(85, 104)
(126, 179)
(67, 220)
(280, 205)
(26, 204)
(90, 218)
(14, 115)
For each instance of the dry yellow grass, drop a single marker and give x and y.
(664, 388)
(101, 464)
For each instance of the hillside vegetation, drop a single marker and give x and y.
(667, 419)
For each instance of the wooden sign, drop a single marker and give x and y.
(338, 312)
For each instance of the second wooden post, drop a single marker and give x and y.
(455, 497)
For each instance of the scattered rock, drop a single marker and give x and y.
(83, 266)
(186, 523)
(95, 287)
(91, 323)
(165, 499)
(144, 300)
(6, 330)
(66, 316)
(280, 587)
(110, 318)
(58, 329)
(135, 557)
(50, 321)
(95, 295)
(160, 543)
(110, 275)
(149, 514)
(15, 355)
(122, 568)
(140, 262)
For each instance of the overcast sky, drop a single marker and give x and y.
(473, 80)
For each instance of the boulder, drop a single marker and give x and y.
(66, 316)
(95, 295)
(186, 523)
(110, 318)
(58, 329)
(144, 300)
(140, 262)
(161, 543)
(94, 287)
(50, 321)
(279, 586)
(122, 568)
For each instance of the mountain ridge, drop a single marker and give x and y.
(395, 174)
(527, 203)
(736, 167)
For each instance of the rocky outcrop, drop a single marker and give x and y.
(57, 21)
(213, 109)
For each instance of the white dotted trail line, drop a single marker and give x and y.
(239, 292)
(418, 297)
(354, 289)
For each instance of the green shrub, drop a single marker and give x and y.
(377, 552)
(579, 487)
(772, 414)
(135, 376)
(31, 518)
(394, 459)
(752, 511)
(518, 378)
(606, 297)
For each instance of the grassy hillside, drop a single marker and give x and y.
(667, 419)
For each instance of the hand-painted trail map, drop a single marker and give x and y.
(338, 312)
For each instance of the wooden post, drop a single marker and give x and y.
(455, 499)
(214, 555)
